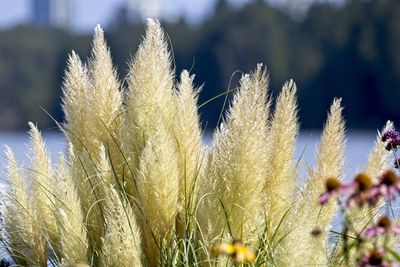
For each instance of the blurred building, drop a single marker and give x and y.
(51, 13)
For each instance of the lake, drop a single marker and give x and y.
(359, 144)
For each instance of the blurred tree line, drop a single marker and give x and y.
(348, 51)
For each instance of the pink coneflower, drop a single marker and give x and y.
(388, 186)
(333, 188)
(383, 226)
(373, 258)
(362, 184)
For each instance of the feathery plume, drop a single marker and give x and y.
(308, 214)
(92, 101)
(150, 100)
(43, 184)
(236, 172)
(75, 102)
(77, 98)
(188, 135)
(84, 176)
(18, 221)
(121, 244)
(105, 98)
(28, 241)
(158, 192)
(70, 220)
(105, 173)
(281, 173)
(17, 192)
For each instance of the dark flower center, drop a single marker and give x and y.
(363, 181)
(376, 258)
(332, 184)
(389, 178)
(316, 232)
(384, 222)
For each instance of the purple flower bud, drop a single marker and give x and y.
(389, 135)
(392, 138)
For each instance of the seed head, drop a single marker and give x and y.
(384, 222)
(376, 258)
(363, 181)
(332, 184)
(389, 178)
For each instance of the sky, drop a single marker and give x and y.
(88, 13)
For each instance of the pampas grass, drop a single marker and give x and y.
(121, 245)
(188, 135)
(18, 221)
(70, 221)
(150, 103)
(307, 213)
(158, 192)
(74, 102)
(41, 175)
(137, 186)
(280, 183)
(236, 171)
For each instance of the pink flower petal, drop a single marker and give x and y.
(346, 188)
(395, 230)
(324, 198)
(374, 231)
(370, 232)
(373, 191)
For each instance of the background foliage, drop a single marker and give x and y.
(349, 51)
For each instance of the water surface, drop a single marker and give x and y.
(358, 147)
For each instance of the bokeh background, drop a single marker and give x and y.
(336, 48)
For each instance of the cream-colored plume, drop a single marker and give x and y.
(88, 185)
(150, 97)
(75, 102)
(158, 192)
(188, 135)
(105, 95)
(233, 183)
(19, 197)
(72, 231)
(43, 183)
(92, 101)
(105, 173)
(18, 215)
(105, 99)
(281, 173)
(308, 214)
(121, 245)
(378, 160)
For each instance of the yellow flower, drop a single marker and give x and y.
(235, 250)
